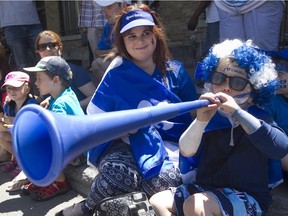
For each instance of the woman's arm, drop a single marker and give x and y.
(88, 90)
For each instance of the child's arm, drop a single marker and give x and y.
(190, 140)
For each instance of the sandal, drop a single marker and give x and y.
(16, 185)
(27, 188)
(75, 209)
(50, 191)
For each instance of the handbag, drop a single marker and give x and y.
(131, 204)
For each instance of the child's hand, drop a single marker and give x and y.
(8, 120)
(206, 113)
(228, 104)
(45, 103)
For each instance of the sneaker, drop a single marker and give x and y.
(50, 191)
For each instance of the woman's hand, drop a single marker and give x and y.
(206, 113)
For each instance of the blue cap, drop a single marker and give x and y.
(283, 54)
(136, 18)
(52, 64)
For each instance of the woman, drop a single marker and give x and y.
(48, 43)
(238, 139)
(142, 74)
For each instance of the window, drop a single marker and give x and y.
(69, 11)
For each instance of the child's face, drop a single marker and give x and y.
(17, 93)
(282, 69)
(111, 11)
(44, 83)
(232, 80)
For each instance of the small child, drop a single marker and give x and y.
(18, 89)
(53, 77)
(278, 106)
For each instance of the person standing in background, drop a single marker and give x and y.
(212, 20)
(91, 19)
(259, 21)
(21, 25)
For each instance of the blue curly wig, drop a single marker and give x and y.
(259, 67)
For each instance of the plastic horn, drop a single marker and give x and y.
(45, 142)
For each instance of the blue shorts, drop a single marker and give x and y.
(231, 202)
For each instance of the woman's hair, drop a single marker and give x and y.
(51, 34)
(161, 53)
(259, 67)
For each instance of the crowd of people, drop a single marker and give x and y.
(217, 160)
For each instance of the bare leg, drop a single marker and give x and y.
(201, 204)
(6, 141)
(163, 203)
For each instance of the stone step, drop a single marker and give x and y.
(81, 178)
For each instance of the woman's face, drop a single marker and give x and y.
(140, 43)
(47, 46)
(230, 79)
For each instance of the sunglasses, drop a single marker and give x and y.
(235, 83)
(43, 47)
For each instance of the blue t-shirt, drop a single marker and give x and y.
(278, 109)
(66, 103)
(105, 42)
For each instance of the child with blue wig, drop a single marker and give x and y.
(233, 135)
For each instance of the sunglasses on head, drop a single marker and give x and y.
(43, 47)
(235, 83)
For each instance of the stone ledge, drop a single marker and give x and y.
(81, 178)
(279, 203)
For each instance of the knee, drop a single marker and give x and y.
(201, 204)
(163, 203)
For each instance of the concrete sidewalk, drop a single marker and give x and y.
(80, 179)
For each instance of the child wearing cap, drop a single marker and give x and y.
(233, 136)
(18, 88)
(111, 9)
(53, 77)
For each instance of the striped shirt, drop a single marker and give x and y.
(91, 15)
